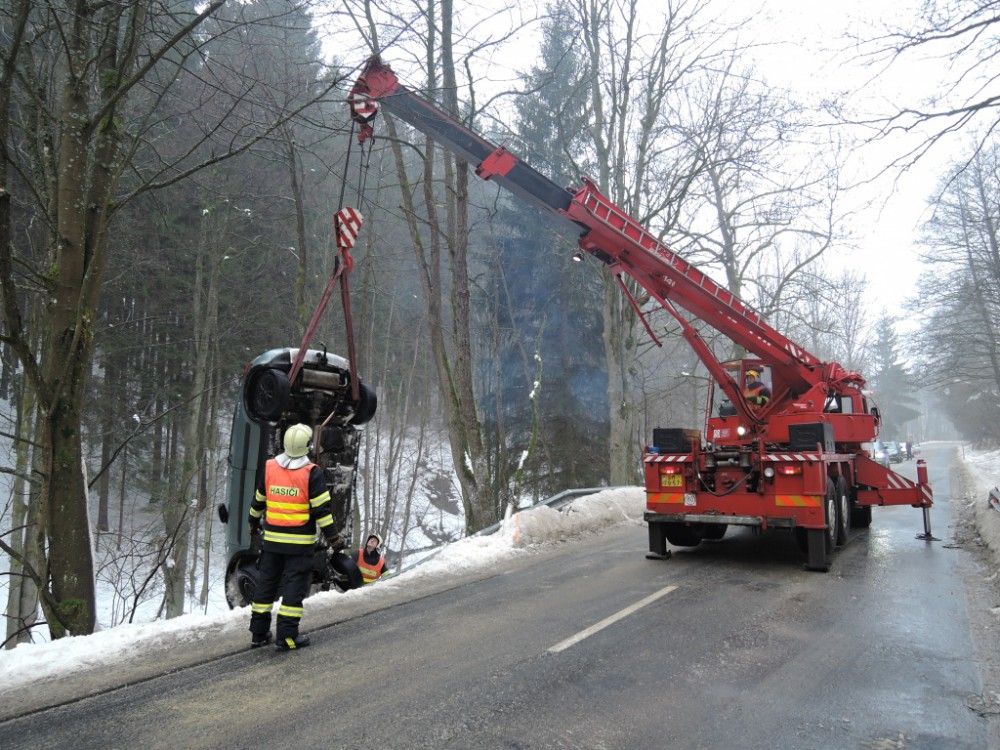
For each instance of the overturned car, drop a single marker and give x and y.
(269, 403)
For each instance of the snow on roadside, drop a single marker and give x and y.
(35, 662)
(984, 468)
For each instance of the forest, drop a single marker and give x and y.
(169, 175)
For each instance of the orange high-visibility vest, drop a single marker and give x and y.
(287, 494)
(368, 572)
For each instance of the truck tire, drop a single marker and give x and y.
(820, 542)
(267, 395)
(843, 512)
(713, 532)
(242, 580)
(683, 535)
(861, 516)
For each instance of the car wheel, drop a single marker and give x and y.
(267, 395)
(365, 408)
(344, 572)
(242, 581)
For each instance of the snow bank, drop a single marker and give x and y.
(33, 663)
(603, 510)
(984, 468)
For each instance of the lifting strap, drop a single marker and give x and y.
(346, 227)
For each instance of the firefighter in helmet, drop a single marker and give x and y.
(754, 390)
(292, 501)
(370, 560)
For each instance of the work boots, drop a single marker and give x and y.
(290, 644)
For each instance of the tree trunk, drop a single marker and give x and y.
(22, 596)
(181, 508)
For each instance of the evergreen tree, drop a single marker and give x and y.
(548, 305)
(892, 383)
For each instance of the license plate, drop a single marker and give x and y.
(672, 480)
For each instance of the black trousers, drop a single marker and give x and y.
(297, 573)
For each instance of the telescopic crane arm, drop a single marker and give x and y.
(609, 234)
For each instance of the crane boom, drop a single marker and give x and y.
(606, 232)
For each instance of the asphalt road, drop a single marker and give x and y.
(730, 645)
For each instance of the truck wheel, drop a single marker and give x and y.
(267, 395)
(713, 532)
(820, 542)
(683, 535)
(861, 516)
(242, 580)
(843, 512)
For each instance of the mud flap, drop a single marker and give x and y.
(657, 542)
(818, 550)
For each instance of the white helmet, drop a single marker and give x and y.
(298, 439)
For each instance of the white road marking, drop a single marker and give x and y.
(572, 640)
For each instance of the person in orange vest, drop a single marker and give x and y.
(291, 502)
(755, 392)
(370, 561)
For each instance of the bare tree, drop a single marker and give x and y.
(436, 204)
(959, 338)
(955, 40)
(79, 89)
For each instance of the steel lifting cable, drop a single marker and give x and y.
(346, 224)
(345, 295)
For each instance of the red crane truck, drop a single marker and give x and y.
(800, 461)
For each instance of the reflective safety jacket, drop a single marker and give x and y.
(370, 571)
(287, 495)
(757, 393)
(293, 499)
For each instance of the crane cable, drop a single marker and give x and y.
(345, 295)
(346, 224)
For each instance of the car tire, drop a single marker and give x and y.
(347, 575)
(365, 408)
(267, 395)
(242, 581)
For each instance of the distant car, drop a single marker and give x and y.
(879, 453)
(894, 452)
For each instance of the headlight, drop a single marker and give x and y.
(769, 472)
(741, 430)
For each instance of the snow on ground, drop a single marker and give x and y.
(984, 469)
(42, 662)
